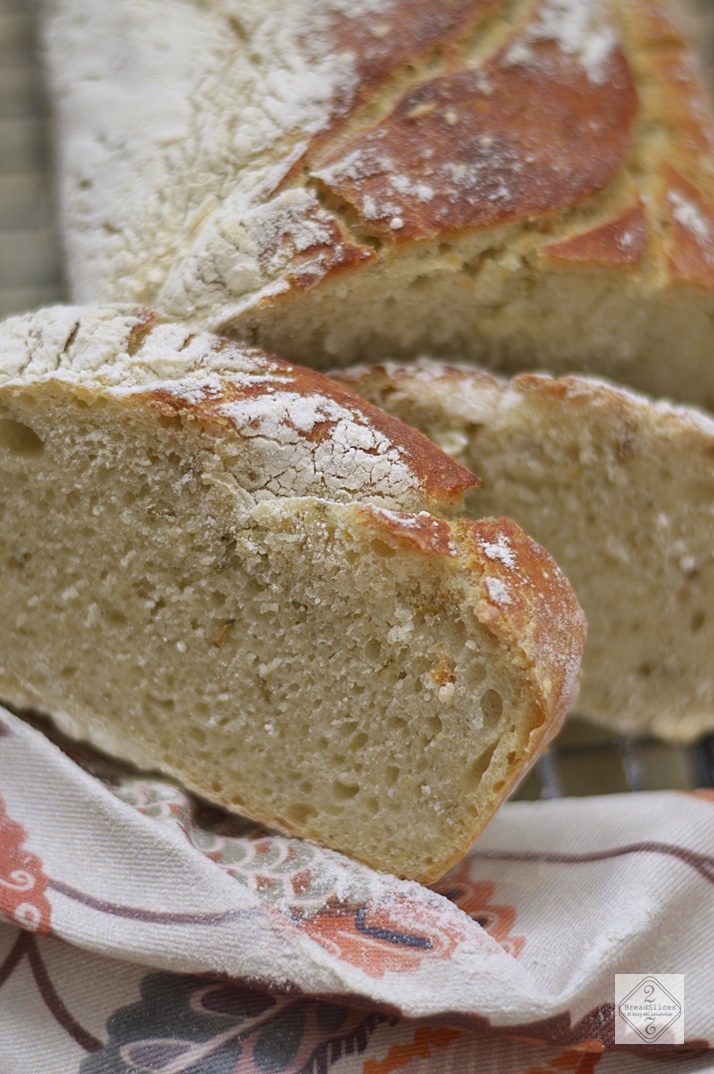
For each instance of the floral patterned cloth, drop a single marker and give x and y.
(147, 932)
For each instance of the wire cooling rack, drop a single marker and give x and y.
(584, 759)
(29, 262)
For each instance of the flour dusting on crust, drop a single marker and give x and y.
(686, 213)
(300, 433)
(501, 550)
(578, 27)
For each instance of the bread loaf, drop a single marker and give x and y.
(524, 183)
(620, 490)
(223, 566)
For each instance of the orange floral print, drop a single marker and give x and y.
(706, 792)
(22, 881)
(474, 898)
(393, 936)
(568, 1063)
(425, 1039)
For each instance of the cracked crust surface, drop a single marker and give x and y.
(516, 181)
(223, 566)
(619, 488)
(300, 431)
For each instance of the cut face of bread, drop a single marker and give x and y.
(320, 655)
(518, 182)
(620, 489)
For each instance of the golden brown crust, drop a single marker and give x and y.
(690, 255)
(366, 379)
(620, 242)
(428, 393)
(382, 48)
(308, 265)
(676, 105)
(678, 97)
(655, 22)
(414, 533)
(458, 157)
(414, 28)
(529, 599)
(506, 142)
(146, 319)
(641, 414)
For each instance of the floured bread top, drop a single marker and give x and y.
(464, 394)
(223, 156)
(301, 433)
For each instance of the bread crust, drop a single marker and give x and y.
(546, 168)
(520, 594)
(174, 369)
(436, 386)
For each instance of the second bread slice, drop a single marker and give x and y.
(619, 487)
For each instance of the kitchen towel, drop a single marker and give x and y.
(147, 931)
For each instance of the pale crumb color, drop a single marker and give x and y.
(619, 488)
(212, 564)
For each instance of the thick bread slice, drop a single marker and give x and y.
(194, 578)
(620, 489)
(518, 182)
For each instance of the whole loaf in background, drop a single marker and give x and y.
(526, 183)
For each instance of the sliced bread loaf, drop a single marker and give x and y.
(620, 489)
(519, 182)
(223, 566)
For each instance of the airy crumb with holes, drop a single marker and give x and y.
(234, 570)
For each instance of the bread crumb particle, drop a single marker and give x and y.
(424, 108)
(446, 693)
